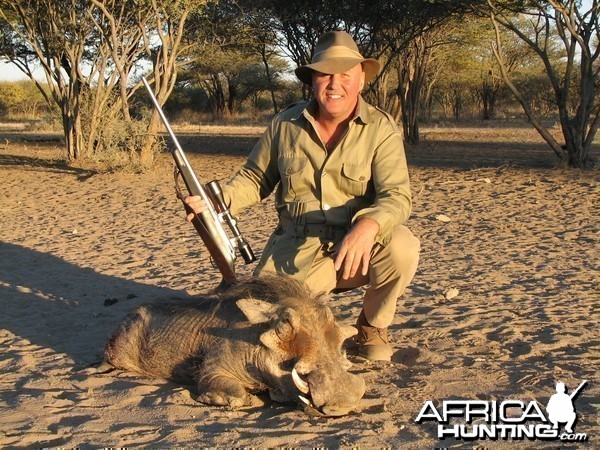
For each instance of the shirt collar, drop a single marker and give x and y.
(362, 111)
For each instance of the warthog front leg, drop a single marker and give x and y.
(222, 391)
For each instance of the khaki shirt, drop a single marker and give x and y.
(365, 175)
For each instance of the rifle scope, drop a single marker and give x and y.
(215, 194)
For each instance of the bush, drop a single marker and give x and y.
(119, 145)
(116, 142)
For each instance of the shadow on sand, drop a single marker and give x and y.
(58, 305)
(45, 165)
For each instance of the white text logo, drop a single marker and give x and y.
(509, 419)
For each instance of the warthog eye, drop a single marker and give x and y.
(284, 330)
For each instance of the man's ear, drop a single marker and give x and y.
(256, 311)
(362, 80)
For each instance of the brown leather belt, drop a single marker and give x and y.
(325, 232)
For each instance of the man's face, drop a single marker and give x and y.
(337, 94)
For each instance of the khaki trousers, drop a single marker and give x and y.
(391, 269)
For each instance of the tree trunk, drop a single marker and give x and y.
(265, 60)
(70, 138)
(411, 79)
(71, 119)
(232, 97)
(577, 151)
(147, 151)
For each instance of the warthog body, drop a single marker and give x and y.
(259, 335)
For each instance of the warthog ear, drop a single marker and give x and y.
(256, 311)
(348, 332)
(270, 339)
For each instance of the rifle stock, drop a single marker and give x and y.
(209, 223)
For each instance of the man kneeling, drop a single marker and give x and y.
(343, 191)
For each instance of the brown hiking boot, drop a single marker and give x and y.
(373, 342)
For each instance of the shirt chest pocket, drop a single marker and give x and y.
(355, 179)
(294, 176)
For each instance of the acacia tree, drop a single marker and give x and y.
(264, 43)
(55, 35)
(122, 28)
(164, 41)
(146, 31)
(239, 55)
(87, 49)
(411, 75)
(217, 75)
(394, 32)
(417, 70)
(575, 82)
(407, 40)
(472, 43)
(20, 98)
(462, 69)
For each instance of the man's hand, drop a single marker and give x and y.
(355, 248)
(197, 204)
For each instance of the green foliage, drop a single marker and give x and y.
(237, 62)
(464, 71)
(467, 81)
(21, 100)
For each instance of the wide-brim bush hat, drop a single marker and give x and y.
(336, 52)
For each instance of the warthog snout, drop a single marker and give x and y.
(332, 394)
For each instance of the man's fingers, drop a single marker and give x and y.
(348, 263)
(365, 263)
(190, 217)
(355, 265)
(196, 202)
(352, 262)
(339, 258)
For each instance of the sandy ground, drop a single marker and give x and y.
(79, 249)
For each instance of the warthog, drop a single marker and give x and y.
(266, 334)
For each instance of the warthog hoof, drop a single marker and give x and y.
(223, 399)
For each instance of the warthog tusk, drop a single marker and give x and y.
(310, 408)
(305, 400)
(300, 383)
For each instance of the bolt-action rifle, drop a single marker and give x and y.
(208, 224)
